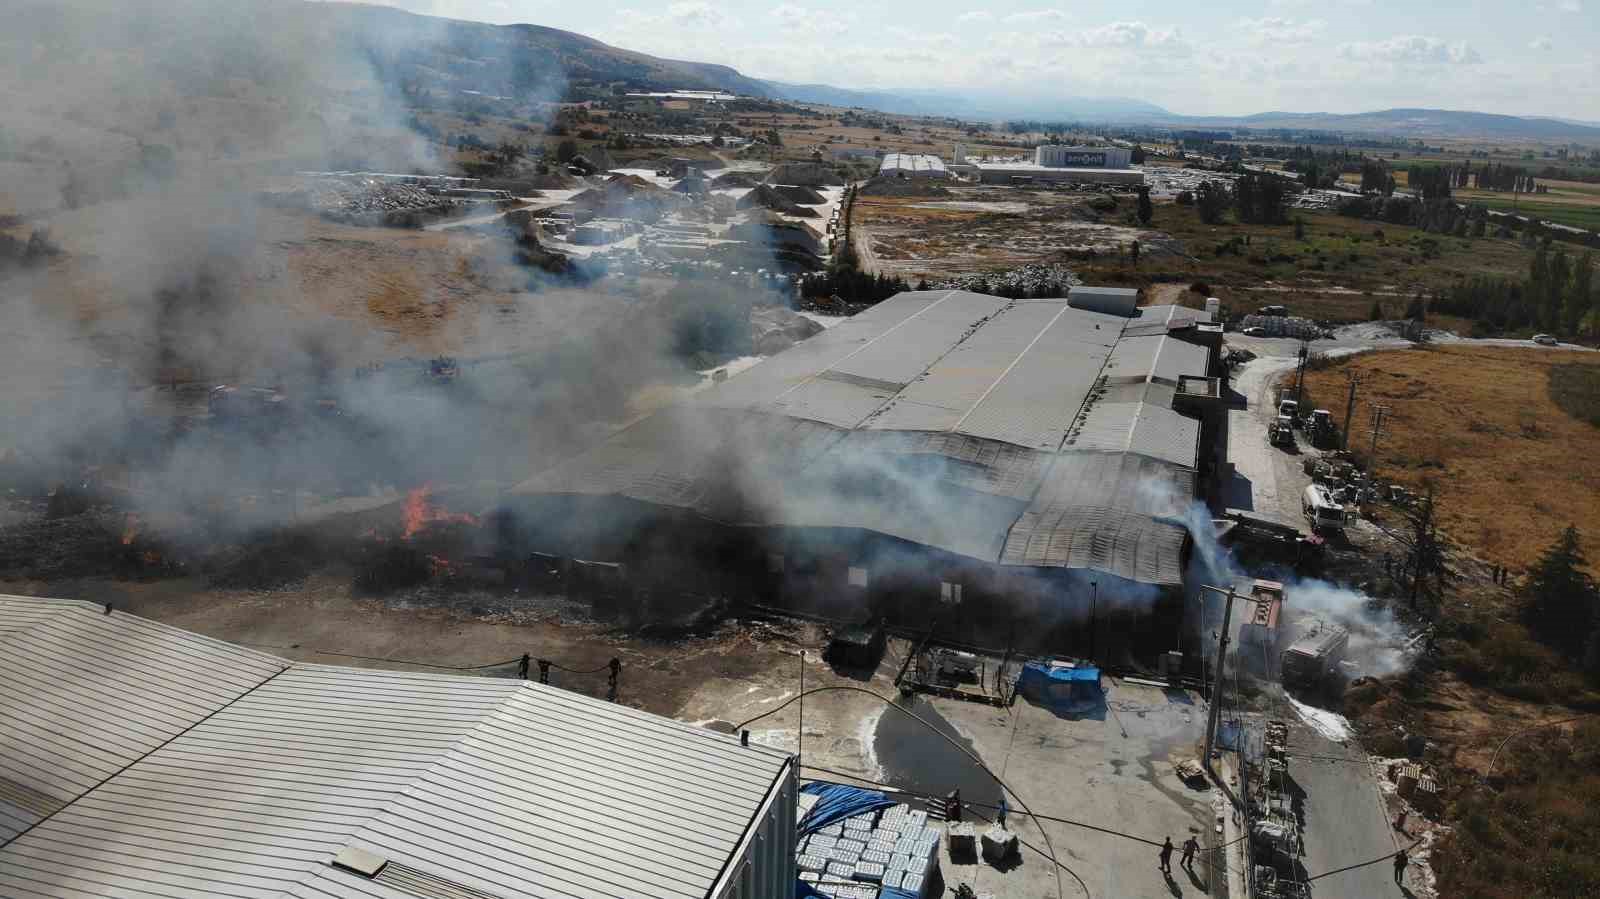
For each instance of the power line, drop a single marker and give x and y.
(943, 736)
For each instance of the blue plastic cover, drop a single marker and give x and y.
(835, 802)
(1058, 685)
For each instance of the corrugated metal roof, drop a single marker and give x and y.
(84, 694)
(1155, 357)
(1138, 418)
(1008, 378)
(514, 788)
(1114, 512)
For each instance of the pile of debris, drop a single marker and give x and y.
(1027, 280)
(1286, 326)
(774, 198)
(774, 329)
(885, 186)
(734, 180)
(360, 198)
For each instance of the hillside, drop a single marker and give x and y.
(1407, 123)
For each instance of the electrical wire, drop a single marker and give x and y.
(348, 655)
(1509, 737)
(959, 748)
(1381, 858)
(991, 807)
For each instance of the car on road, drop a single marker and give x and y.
(1546, 340)
(1254, 332)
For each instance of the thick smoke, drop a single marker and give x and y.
(141, 136)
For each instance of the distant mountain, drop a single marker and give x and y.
(1405, 123)
(976, 104)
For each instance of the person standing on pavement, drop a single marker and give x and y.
(1190, 846)
(1400, 862)
(1166, 856)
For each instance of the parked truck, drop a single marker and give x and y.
(1319, 427)
(1281, 431)
(1312, 663)
(1325, 514)
(1260, 633)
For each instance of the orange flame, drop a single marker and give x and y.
(420, 510)
(130, 528)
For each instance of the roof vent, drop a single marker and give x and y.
(360, 861)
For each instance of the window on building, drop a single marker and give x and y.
(858, 576)
(949, 593)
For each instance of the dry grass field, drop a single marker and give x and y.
(1512, 468)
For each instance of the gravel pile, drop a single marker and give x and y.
(1027, 280)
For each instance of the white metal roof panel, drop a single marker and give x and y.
(556, 795)
(253, 798)
(1034, 403)
(1155, 357)
(84, 694)
(919, 342)
(1138, 418)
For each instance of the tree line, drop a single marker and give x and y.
(1557, 295)
(843, 278)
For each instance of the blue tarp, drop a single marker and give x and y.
(1058, 685)
(835, 802)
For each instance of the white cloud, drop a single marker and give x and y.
(811, 21)
(1036, 17)
(1412, 49)
(695, 14)
(977, 15)
(1572, 6)
(1541, 43)
(1273, 31)
(1130, 34)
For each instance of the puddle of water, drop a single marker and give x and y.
(913, 758)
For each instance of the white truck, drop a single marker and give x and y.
(1325, 514)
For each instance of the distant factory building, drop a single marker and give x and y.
(140, 760)
(1054, 164)
(1026, 456)
(912, 165)
(1056, 156)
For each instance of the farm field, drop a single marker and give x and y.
(1512, 467)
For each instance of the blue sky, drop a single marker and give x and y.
(1540, 57)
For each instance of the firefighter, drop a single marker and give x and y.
(1190, 846)
(1166, 856)
(1400, 862)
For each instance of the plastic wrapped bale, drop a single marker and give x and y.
(869, 872)
(892, 879)
(877, 857)
(999, 845)
(855, 847)
(840, 870)
(810, 862)
(912, 883)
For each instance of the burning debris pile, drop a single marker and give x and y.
(98, 542)
(361, 200)
(431, 542)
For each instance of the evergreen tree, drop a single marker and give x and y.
(1561, 597)
(1376, 313)
(1580, 297)
(1133, 250)
(1555, 291)
(1147, 211)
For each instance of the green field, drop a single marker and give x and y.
(1575, 214)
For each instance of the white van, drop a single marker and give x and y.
(1321, 510)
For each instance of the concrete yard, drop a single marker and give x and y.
(1110, 766)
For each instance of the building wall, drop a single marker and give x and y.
(764, 867)
(1058, 156)
(1001, 175)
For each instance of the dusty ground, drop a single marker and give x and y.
(1512, 468)
(980, 228)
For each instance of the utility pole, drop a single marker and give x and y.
(1349, 411)
(1094, 598)
(800, 751)
(1222, 652)
(1300, 375)
(1378, 413)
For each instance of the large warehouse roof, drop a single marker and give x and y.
(938, 417)
(141, 761)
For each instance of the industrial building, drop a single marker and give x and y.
(1054, 164)
(943, 446)
(912, 165)
(1060, 157)
(140, 760)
